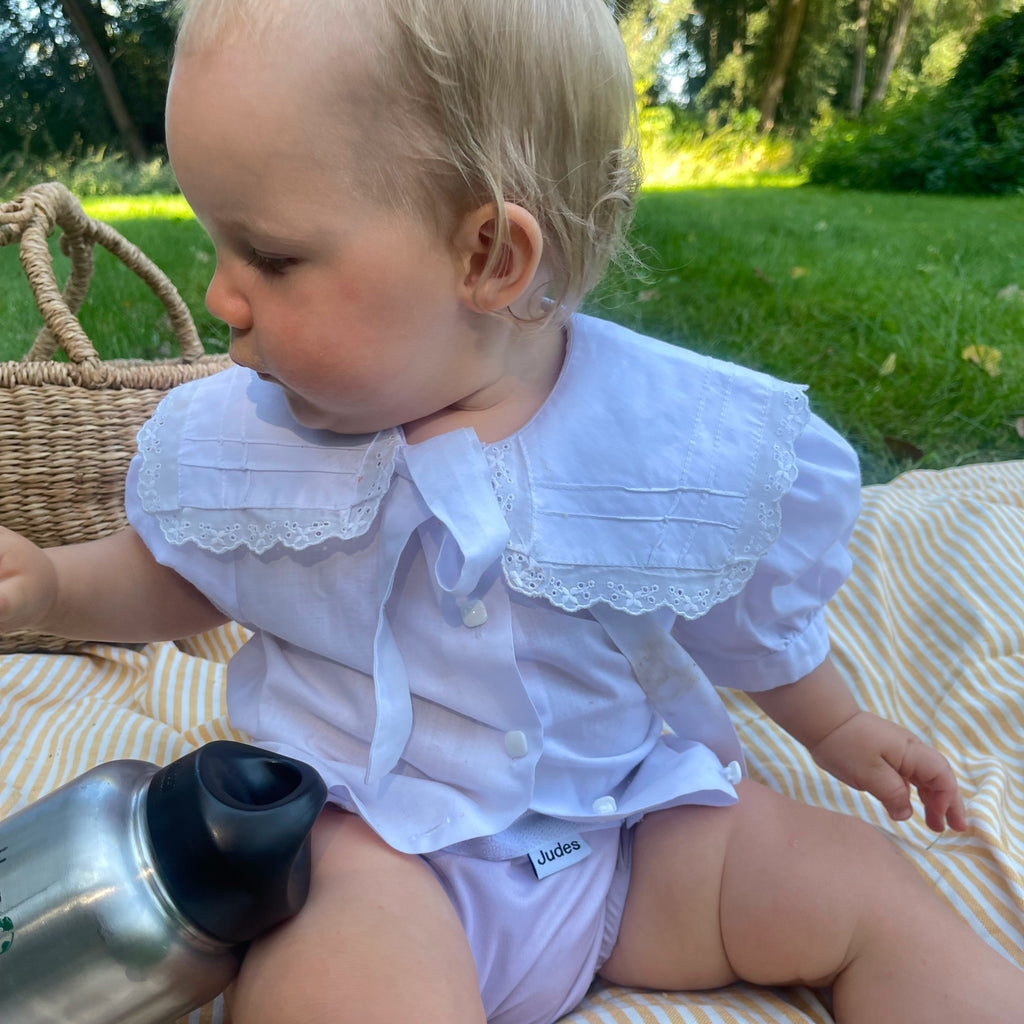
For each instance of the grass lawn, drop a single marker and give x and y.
(870, 299)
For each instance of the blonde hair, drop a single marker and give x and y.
(488, 101)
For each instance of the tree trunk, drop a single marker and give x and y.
(891, 51)
(105, 74)
(792, 24)
(860, 57)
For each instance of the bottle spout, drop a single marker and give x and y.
(229, 825)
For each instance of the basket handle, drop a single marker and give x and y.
(29, 219)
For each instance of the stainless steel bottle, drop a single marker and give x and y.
(128, 895)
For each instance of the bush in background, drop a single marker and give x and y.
(682, 149)
(93, 172)
(967, 137)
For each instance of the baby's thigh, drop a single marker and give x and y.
(378, 940)
(669, 936)
(768, 890)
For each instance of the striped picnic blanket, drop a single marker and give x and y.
(929, 630)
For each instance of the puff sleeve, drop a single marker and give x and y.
(773, 631)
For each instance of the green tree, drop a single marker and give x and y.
(83, 71)
(82, 19)
(790, 59)
(790, 24)
(890, 49)
(966, 136)
(860, 57)
(650, 29)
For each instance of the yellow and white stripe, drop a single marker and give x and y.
(929, 630)
(60, 714)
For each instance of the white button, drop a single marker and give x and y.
(605, 805)
(515, 744)
(474, 613)
(733, 773)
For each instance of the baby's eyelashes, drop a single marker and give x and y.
(272, 266)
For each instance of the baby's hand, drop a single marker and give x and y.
(28, 582)
(885, 760)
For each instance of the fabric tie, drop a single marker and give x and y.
(452, 482)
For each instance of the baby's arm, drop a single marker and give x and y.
(110, 589)
(863, 750)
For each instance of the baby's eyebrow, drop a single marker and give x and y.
(261, 233)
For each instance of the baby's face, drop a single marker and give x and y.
(352, 308)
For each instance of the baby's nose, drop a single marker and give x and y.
(228, 303)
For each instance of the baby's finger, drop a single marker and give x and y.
(931, 774)
(942, 808)
(891, 790)
(956, 814)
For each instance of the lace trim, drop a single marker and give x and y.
(778, 483)
(502, 478)
(218, 531)
(222, 530)
(575, 588)
(571, 588)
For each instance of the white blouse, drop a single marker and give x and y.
(476, 642)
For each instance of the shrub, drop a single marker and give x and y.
(682, 149)
(92, 172)
(966, 137)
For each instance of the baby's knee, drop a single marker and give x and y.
(802, 886)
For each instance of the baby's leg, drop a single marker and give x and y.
(774, 892)
(378, 941)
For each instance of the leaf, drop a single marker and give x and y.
(903, 449)
(888, 365)
(985, 356)
(797, 272)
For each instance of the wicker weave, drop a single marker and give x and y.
(67, 429)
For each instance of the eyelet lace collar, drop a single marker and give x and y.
(652, 476)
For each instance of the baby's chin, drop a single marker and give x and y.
(313, 417)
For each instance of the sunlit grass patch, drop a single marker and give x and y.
(110, 208)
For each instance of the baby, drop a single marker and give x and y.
(488, 546)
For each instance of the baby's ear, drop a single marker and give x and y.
(514, 267)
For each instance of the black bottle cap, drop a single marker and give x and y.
(229, 825)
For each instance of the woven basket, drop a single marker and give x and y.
(67, 429)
